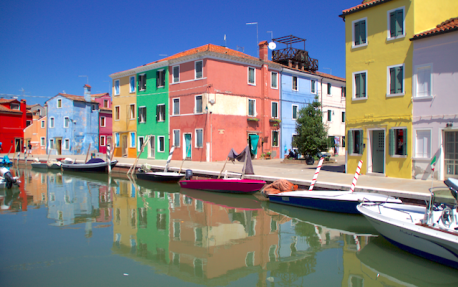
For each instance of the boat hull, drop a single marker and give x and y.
(240, 186)
(160, 176)
(88, 167)
(333, 201)
(423, 241)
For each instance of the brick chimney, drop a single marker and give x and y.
(263, 51)
(87, 93)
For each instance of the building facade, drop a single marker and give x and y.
(105, 120)
(13, 118)
(35, 134)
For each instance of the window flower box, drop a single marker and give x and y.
(253, 119)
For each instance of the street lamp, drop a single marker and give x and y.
(257, 38)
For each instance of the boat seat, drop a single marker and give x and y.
(452, 184)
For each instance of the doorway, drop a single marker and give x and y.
(18, 145)
(59, 146)
(151, 147)
(187, 150)
(377, 151)
(451, 154)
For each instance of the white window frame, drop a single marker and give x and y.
(179, 139)
(388, 32)
(103, 122)
(130, 139)
(353, 34)
(329, 91)
(388, 81)
(271, 110)
(195, 138)
(429, 155)
(415, 80)
(119, 114)
(195, 104)
(407, 147)
(254, 108)
(43, 124)
(139, 146)
(139, 115)
(117, 88)
(195, 70)
(297, 83)
(173, 107)
(292, 112)
(132, 87)
(52, 122)
(65, 141)
(66, 126)
(139, 82)
(42, 141)
(271, 84)
(59, 103)
(132, 117)
(165, 115)
(159, 145)
(173, 74)
(51, 144)
(353, 92)
(278, 138)
(248, 76)
(329, 112)
(104, 140)
(160, 71)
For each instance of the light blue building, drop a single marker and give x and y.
(73, 123)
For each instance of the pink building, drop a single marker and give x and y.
(218, 98)
(105, 120)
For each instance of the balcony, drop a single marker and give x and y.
(298, 58)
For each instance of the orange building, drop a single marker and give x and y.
(35, 134)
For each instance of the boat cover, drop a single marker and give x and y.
(248, 168)
(95, 160)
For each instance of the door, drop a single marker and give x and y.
(124, 145)
(18, 145)
(187, 140)
(59, 146)
(378, 151)
(151, 147)
(451, 154)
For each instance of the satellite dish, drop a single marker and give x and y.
(272, 45)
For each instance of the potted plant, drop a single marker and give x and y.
(267, 155)
(253, 119)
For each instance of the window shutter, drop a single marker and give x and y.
(361, 141)
(399, 22)
(392, 143)
(157, 113)
(358, 85)
(139, 114)
(404, 141)
(399, 78)
(363, 85)
(350, 141)
(158, 80)
(392, 81)
(363, 32)
(144, 113)
(357, 34)
(392, 24)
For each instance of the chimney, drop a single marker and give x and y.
(290, 64)
(263, 51)
(87, 93)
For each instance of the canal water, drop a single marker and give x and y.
(75, 229)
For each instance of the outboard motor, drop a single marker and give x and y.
(10, 180)
(188, 174)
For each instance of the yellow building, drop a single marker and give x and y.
(379, 80)
(124, 114)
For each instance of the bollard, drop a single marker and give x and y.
(315, 176)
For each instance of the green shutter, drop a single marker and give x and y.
(392, 145)
(404, 140)
(399, 79)
(361, 141)
(145, 113)
(358, 85)
(157, 113)
(392, 24)
(399, 22)
(392, 81)
(363, 85)
(363, 32)
(350, 141)
(357, 34)
(138, 115)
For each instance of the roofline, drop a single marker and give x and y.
(367, 6)
(140, 69)
(415, 37)
(318, 76)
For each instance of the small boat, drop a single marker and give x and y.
(430, 232)
(334, 201)
(228, 185)
(5, 161)
(93, 165)
(161, 176)
(44, 165)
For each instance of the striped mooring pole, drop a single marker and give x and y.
(315, 176)
(355, 179)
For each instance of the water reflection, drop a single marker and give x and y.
(217, 239)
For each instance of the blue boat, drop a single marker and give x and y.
(5, 161)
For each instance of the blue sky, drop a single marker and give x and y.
(46, 45)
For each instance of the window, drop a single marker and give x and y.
(343, 117)
(360, 85)
(251, 108)
(251, 76)
(160, 78)
(198, 69)
(274, 80)
(295, 108)
(176, 230)
(142, 114)
(141, 140)
(51, 122)
(423, 144)
(294, 84)
(395, 23)
(355, 141)
(66, 122)
(42, 141)
(94, 107)
(422, 81)
(105, 104)
(103, 122)
(42, 124)
(176, 74)
(359, 32)
(51, 143)
(343, 141)
(274, 138)
(249, 259)
(66, 144)
(102, 140)
(132, 111)
(176, 106)
(274, 110)
(312, 86)
(117, 113)
(329, 115)
(396, 80)
(161, 143)
(160, 113)
(17, 106)
(132, 84)
(343, 92)
(59, 103)
(199, 138)
(198, 105)
(132, 139)
(117, 139)
(329, 88)
(116, 88)
(28, 123)
(176, 138)
(398, 141)
(142, 82)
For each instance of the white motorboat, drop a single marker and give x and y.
(167, 176)
(430, 232)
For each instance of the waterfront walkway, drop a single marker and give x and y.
(330, 177)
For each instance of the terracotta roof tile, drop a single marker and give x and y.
(99, 95)
(106, 109)
(75, 98)
(444, 27)
(364, 5)
(319, 74)
(6, 101)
